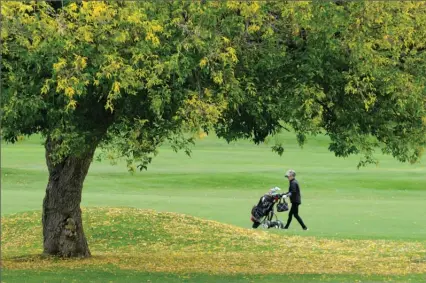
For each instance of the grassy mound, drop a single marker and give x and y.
(148, 241)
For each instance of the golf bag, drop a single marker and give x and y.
(263, 212)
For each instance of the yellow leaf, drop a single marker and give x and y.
(255, 7)
(122, 37)
(151, 37)
(59, 65)
(156, 28)
(25, 8)
(217, 78)
(60, 85)
(80, 62)
(253, 28)
(134, 18)
(109, 105)
(233, 5)
(36, 41)
(73, 7)
(83, 62)
(87, 36)
(45, 88)
(156, 41)
(69, 91)
(71, 104)
(116, 87)
(232, 54)
(69, 45)
(358, 21)
(203, 62)
(98, 9)
(5, 11)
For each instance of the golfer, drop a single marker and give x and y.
(295, 198)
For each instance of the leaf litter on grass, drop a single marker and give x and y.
(146, 240)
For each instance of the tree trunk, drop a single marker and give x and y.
(63, 233)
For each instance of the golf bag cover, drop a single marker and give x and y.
(263, 207)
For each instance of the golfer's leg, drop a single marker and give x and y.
(299, 219)
(290, 215)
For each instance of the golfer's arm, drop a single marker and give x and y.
(292, 189)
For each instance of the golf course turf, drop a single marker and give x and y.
(186, 219)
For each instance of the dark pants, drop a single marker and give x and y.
(294, 210)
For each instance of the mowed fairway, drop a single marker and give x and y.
(221, 182)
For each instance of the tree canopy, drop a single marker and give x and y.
(129, 75)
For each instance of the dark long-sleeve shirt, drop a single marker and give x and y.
(294, 190)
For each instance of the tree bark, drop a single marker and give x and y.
(63, 233)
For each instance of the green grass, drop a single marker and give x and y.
(222, 182)
(116, 276)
